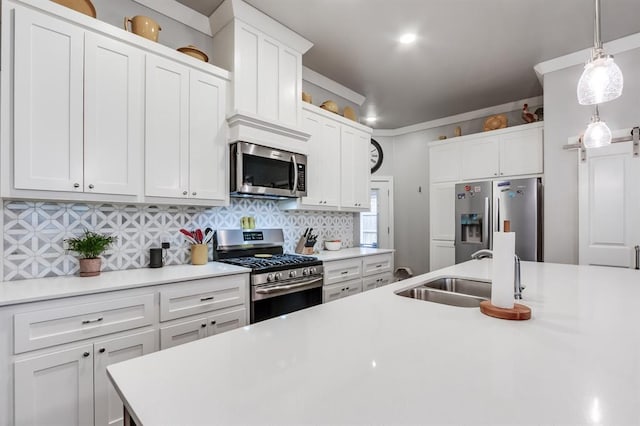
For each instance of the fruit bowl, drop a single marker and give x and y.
(333, 245)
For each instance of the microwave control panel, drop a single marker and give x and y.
(301, 177)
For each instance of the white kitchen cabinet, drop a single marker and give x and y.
(342, 270)
(340, 290)
(442, 208)
(185, 142)
(480, 158)
(78, 109)
(48, 103)
(444, 162)
(442, 254)
(180, 331)
(491, 155)
(521, 153)
(55, 389)
(335, 142)
(323, 180)
(375, 281)
(354, 170)
(113, 116)
(108, 407)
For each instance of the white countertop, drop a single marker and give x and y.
(378, 358)
(348, 253)
(23, 291)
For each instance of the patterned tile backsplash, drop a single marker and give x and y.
(34, 232)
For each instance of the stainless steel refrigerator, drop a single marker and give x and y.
(482, 208)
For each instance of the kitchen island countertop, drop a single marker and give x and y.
(378, 358)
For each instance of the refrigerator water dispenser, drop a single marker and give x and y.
(471, 228)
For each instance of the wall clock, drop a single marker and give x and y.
(375, 155)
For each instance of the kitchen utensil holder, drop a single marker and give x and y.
(301, 248)
(199, 254)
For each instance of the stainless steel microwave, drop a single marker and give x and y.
(259, 171)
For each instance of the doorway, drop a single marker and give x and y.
(376, 225)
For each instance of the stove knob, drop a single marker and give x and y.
(312, 270)
(305, 272)
(292, 274)
(278, 276)
(269, 278)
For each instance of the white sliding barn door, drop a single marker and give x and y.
(609, 206)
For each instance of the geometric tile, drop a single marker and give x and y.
(34, 231)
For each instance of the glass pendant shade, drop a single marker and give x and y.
(601, 81)
(597, 134)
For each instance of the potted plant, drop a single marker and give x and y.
(90, 246)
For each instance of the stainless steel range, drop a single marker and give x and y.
(280, 283)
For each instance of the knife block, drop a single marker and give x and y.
(301, 247)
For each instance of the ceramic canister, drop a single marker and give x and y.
(143, 26)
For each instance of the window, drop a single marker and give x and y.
(369, 223)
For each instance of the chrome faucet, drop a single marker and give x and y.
(517, 282)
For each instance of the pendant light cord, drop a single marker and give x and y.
(597, 40)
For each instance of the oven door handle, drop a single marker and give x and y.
(270, 290)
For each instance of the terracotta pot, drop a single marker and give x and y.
(90, 267)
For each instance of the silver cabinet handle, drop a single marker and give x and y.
(76, 185)
(184, 192)
(378, 266)
(637, 248)
(204, 299)
(203, 325)
(344, 272)
(86, 354)
(91, 186)
(89, 321)
(213, 323)
(194, 193)
(102, 350)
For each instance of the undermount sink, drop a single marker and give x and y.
(451, 291)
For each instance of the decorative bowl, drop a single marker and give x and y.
(333, 245)
(195, 52)
(330, 106)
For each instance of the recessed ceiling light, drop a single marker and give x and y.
(408, 38)
(371, 119)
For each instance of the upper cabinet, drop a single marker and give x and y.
(508, 152)
(338, 173)
(89, 103)
(266, 59)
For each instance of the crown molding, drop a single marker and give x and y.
(613, 47)
(467, 116)
(332, 86)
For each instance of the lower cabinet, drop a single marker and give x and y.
(181, 331)
(62, 380)
(71, 387)
(442, 254)
(340, 290)
(375, 281)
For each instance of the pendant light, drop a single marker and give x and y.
(597, 133)
(601, 80)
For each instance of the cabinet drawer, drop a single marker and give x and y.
(340, 290)
(184, 332)
(376, 264)
(226, 321)
(376, 281)
(342, 270)
(49, 327)
(195, 297)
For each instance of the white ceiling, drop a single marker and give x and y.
(470, 54)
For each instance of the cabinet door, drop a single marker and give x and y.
(442, 207)
(355, 172)
(443, 254)
(221, 322)
(384, 279)
(55, 389)
(48, 103)
(444, 162)
(521, 153)
(184, 332)
(114, 116)
(108, 407)
(480, 158)
(208, 164)
(370, 283)
(323, 182)
(333, 292)
(166, 128)
(351, 287)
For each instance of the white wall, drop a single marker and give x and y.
(565, 118)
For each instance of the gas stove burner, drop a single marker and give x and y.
(282, 260)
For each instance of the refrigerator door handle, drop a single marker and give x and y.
(485, 226)
(497, 224)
